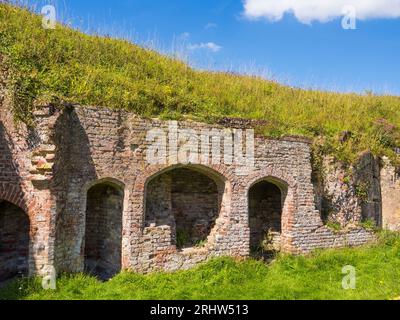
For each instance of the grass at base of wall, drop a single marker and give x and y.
(317, 276)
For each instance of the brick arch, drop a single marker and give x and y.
(286, 183)
(124, 187)
(282, 179)
(114, 182)
(281, 184)
(220, 174)
(19, 237)
(16, 196)
(104, 220)
(139, 189)
(213, 171)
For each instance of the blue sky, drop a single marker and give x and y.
(300, 46)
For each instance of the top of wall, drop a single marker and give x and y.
(230, 123)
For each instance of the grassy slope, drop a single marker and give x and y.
(318, 276)
(66, 65)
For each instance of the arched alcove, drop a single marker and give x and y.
(103, 229)
(14, 241)
(265, 207)
(186, 199)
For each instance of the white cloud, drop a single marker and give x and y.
(210, 25)
(207, 46)
(307, 11)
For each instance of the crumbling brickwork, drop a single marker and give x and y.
(349, 195)
(390, 186)
(100, 196)
(19, 188)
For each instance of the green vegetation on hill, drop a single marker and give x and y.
(318, 276)
(64, 65)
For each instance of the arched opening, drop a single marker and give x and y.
(103, 233)
(14, 241)
(265, 217)
(186, 200)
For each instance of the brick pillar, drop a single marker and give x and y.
(40, 178)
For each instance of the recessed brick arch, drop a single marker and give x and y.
(15, 225)
(220, 172)
(104, 206)
(286, 190)
(106, 180)
(217, 171)
(189, 181)
(16, 196)
(278, 176)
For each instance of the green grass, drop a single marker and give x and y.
(336, 226)
(63, 65)
(317, 276)
(369, 224)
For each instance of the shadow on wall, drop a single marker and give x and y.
(14, 222)
(9, 169)
(89, 221)
(350, 195)
(73, 165)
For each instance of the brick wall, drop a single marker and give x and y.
(349, 195)
(17, 187)
(79, 148)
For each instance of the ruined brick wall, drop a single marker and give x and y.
(390, 185)
(350, 195)
(18, 145)
(80, 149)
